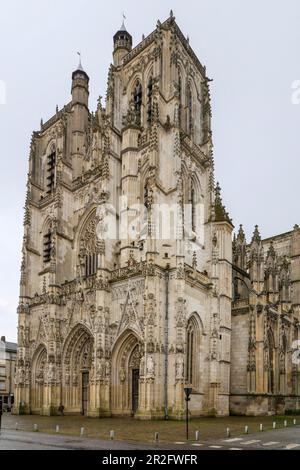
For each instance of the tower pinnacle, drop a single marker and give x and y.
(122, 43)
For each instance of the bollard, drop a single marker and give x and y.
(295, 421)
(57, 428)
(81, 431)
(228, 432)
(274, 424)
(246, 430)
(112, 435)
(156, 437)
(35, 427)
(285, 423)
(197, 436)
(261, 427)
(17, 426)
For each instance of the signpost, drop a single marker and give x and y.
(187, 391)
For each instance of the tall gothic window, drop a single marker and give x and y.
(138, 96)
(50, 172)
(89, 247)
(149, 97)
(180, 97)
(193, 353)
(193, 210)
(47, 246)
(190, 110)
(271, 361)
(179, 87)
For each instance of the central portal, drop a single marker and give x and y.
(125, 377)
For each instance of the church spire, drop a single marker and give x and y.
(220, 211)
(241, 235)
(256, 235)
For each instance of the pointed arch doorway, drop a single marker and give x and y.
(125, 377)
(77, 361)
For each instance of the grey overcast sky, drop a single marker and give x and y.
(251, 50)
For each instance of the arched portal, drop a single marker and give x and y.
(125, 376)
(38, 380)
(77, 362)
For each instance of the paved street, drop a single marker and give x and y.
(281, 439)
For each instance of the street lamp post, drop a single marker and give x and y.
(187, 391)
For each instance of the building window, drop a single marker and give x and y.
(192, 353)
(149, 103)
(138, 96)
(190, 110)
(271, 362)
(51, 159)
(179, 88)
(47, 246)
(193, 210)
(91, 264)
(180, 97)
(90, 247)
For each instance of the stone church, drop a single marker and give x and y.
(131, 286)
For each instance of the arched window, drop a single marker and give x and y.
(149, 97)
(193, 353)
(89, 249)
(138, 96)
(190, 110)
(50, 179)
(179, 88)
(271, 364)
(193, 210)
(180, 97)
(47, 245)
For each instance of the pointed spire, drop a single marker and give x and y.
(234, 244)
(220, 211)
(256, 235)
(271, 251)
(241, 235)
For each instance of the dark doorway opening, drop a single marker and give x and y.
(135, 390)
(85, 392)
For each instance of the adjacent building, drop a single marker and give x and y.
(8, 357)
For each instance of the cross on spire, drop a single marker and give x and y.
(123, 27)
(80, 64)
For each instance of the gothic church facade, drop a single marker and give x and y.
(126, 279)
